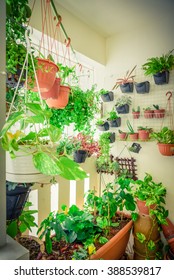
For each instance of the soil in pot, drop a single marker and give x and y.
(64, 251)
(34, 245)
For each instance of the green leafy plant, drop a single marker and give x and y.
(80, 110)
(136, 110)
(123, 100)
(165, 136)
(131, 130)
(128, 78)
(159, 64)
(38, 142)
(67, 74)
(25, 221)
(113, 115)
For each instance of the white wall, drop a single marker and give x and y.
(125, 50)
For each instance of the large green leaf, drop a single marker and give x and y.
(54, 133)
(70, 170)
(38, 110)
(35, 119)
(11, 121)
(45, 164)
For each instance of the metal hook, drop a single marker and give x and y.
(169, 93)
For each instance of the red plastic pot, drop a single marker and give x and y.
(53, 92)
(133, 136)
(159, 113)
(62, 99)
(143, 135)
(136, 115)
(166, 149)
(148, 114)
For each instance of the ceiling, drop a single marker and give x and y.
(108, 17)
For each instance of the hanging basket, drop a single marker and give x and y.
(53, 92)
(166, 149)
(16, 199)
(46, 75)
(62, 99)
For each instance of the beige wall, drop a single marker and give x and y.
(83, 38)
(123, 52)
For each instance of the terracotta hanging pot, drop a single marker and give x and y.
(159, 113)
(46, 75)
(123, 136)
(53, 92)
(149, 114)
(166, 149)
(62, 99)
(133, 136)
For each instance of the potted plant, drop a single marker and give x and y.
(122, 135)
(159, 67)
(81, 110)
(152, 214)
(122, 104)
(87, 228)
(144, 133)
(113, 119)
(126, 83)
(61, 88)
(148, 113)
(142, 87)
(106, 95)
(135, 148)
(136, 112)
(132, 134)
(165, 141)
(102, 125)
(158, 112)
(108, 136)
(28, 133)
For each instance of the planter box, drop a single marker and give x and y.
(115, 123)
(136, 115)
(127, 87)
(161, 78)
(142, 87)
(116, 246)
(80, 156)
(159, 114)
(103, 127)
(124, 109)
(149, 114)
(107, 97)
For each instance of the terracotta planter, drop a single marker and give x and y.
(168, 230)
(159, 114)
(166, 149)
(53, 92)
(133, 136)
(143, 209)
(148, 226)
(62, 99)
(136, 115)
(123, 136)
(143, 135)
(116, 246)
(149, 114)
(46, 75)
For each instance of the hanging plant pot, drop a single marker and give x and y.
(149, 114)
(46, 75)
(53, 92)
(107, 97)
(103, 127)
(123, 109)
(80, 156)
(159, 113)
(21, 169)
(126, 88)
(112, 137)
(142, 87)
(161, 78)
(16, 199)
(143, 135)
(115, 123)
(135, 148)
(62, 99)
(166, 149)
(136, 115)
